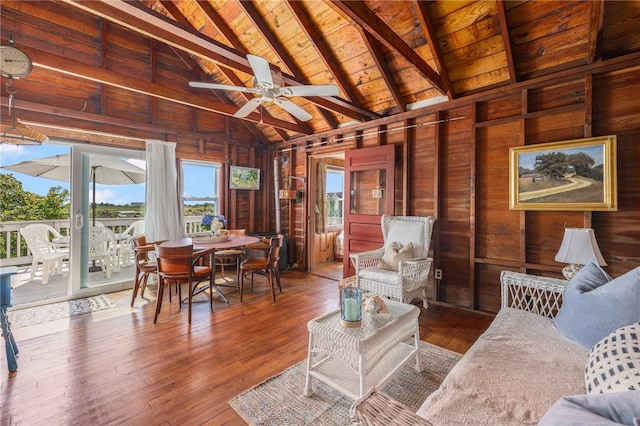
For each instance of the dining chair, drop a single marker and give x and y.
(230, 256)
(178, 265)
(145, 265)
(266, 263)
(43, 251)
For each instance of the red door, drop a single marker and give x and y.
(369, 193)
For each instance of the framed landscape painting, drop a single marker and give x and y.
(574, 175)
(244, 178)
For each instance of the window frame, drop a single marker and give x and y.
(217, 184)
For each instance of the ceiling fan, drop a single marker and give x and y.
(268, 84)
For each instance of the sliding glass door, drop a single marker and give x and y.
(107, 206)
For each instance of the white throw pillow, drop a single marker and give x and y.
(405, 232)
(394, 254)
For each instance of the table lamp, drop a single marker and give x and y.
(578, 247)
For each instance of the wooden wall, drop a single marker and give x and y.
(64, 38)
(453, 162)
(452, 159)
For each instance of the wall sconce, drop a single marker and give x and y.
(579, 247)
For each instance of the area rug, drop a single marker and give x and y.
(56, 311)
(279, 400)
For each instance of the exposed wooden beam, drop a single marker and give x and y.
(142, 20)
(322, 47)
(215, 19)
(67, 66)
(432, 41)
(49, 116)
(387, 75)
(363, 16)
(506, 40)
(595, 40)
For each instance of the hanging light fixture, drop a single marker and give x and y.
(15, 63)
(18, 133)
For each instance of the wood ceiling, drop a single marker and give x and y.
(386, 57)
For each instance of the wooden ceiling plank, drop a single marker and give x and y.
(138, 18)
(387, 75)
(506, 40)
(322, 47)
(432, 41)
(364, 17)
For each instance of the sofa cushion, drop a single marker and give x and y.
(511, 375)
(595, 409)
(614, 362)
(394, 254)
(593, 306)
(405, 232)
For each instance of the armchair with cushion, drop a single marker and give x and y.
(400, 268)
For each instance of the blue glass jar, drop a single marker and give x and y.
(351, 308)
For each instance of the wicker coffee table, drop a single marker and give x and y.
(353, 360)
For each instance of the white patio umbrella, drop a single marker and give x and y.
(105, 170)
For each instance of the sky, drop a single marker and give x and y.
(528, 160)
(111, 194)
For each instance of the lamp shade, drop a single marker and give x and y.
(579, 246)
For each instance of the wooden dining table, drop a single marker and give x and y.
(202, 249)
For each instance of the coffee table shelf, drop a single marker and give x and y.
(353, 360)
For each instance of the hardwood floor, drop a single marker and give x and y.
(117, 367)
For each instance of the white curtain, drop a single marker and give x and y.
(163, 218)
(321, 198)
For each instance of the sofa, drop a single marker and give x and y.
(525, 369)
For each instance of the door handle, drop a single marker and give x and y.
(79, 221)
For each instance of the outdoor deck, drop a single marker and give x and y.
(33, 293)
(26, 292)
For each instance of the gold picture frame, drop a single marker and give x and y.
(573, 175)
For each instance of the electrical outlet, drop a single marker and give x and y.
(438, 274)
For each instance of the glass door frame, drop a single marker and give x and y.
(79, 217)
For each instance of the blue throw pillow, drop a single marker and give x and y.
(594, 305)
(595, 409)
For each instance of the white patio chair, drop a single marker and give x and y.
(400, 276)
(124, 247)
(102, 247)
(38, 238)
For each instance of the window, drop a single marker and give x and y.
(334, 200)
(200, 191)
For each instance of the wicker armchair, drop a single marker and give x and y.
(410, 281)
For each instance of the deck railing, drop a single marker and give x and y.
(15, 251)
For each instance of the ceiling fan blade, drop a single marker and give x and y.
(261, 70)
(292, 109)
(310, 90)
(203, 85)
(248, 108)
